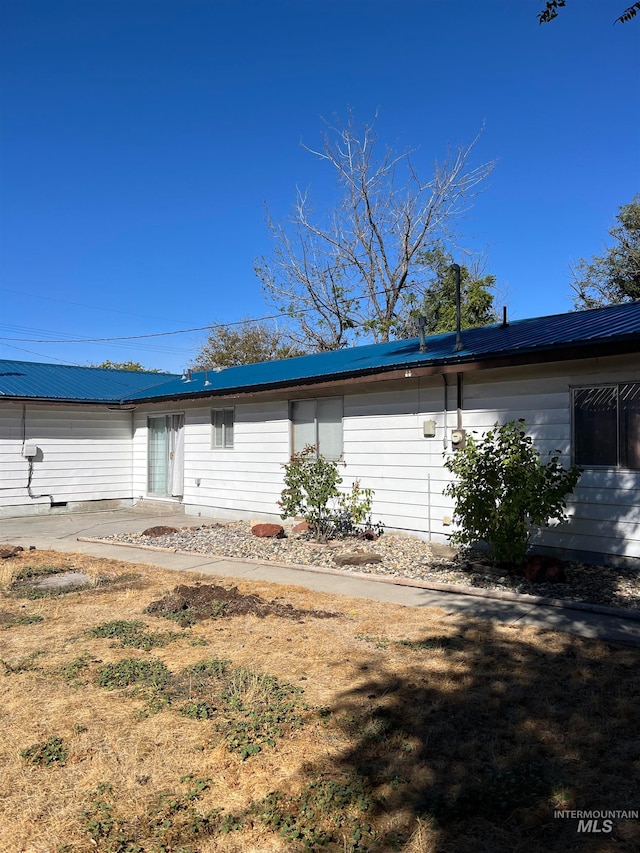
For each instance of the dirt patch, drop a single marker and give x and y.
(208, 601)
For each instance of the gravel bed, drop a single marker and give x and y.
(402, 557)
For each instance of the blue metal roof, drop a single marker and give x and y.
(535, 338)
(26, 379)
(538, 335)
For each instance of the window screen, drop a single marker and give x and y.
(606, 422)
(318, 422)
(222, 421)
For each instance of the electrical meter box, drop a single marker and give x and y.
(457, 438)
(29, 450)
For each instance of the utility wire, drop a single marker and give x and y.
(178, 331)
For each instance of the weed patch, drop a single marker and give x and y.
(326, 811)
(170, 818)
(76, 671)
(133, 634)
(248, 710)
(143, 676)
(25, 664)
(377, 642)
(433, 643)
(22, 620)
(45, 753)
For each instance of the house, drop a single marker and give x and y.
(216, 441)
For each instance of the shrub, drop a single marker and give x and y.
(504, 491)
(311, 491)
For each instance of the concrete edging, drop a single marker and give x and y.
(523, 598)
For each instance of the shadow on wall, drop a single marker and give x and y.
(604, 519)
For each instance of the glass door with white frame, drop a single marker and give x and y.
(165, 469)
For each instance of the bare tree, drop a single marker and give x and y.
(346, 275)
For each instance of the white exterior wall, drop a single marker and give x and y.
(238, 482)
(604, 509)
(84, 454)
(384, 447)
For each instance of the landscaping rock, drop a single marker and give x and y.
(369, 535)
(443, 552)
(356, 558)
(301, 527)
(7, 551)
(541, 568)
(268, 531)
(159, 531)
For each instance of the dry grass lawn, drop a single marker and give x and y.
(380, 728)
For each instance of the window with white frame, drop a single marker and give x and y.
(222, 428)
(318, 422)
(606, 425)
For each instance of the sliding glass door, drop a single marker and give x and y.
(165, 470)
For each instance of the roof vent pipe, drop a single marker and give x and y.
(456, 271)
(505, 322)
(421, 323)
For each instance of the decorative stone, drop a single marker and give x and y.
(159, 531)
(301, 527)
(356, 558)
(268, 531)
(442, 552)
(8, 551)
(369, 535)
(541, 568)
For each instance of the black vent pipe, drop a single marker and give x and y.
(456, 271)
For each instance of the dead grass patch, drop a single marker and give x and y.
(389, 728)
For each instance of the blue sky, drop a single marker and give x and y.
(140, 140)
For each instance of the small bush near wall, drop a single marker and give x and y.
(311, 491)
(503, 491)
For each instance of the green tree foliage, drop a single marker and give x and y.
(311, 491)
(344, 275)
(247, 342)
(126, 365)
(615, 276)
(503, 491)
(551, 7)
(438, 301)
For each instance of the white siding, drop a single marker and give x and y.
(604, 510)
(84, 454)
(87, 452)
(385, 448)
(242, 481)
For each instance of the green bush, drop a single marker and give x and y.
(311, 491)
(503, 491)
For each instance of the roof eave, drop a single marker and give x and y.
(451, 364)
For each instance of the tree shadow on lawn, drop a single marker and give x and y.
(488, 734)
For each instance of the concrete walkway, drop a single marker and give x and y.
(62, 532)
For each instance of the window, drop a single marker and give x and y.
(222, 422)
(606, 425)
(318, 422)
